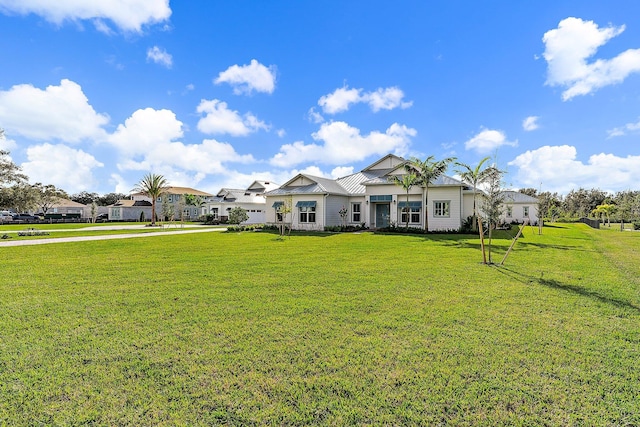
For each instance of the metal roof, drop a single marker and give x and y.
(518, 197)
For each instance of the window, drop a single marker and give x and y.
(441, 208)
(509, 211)
(307, 211)
(410, 210)
(525, 211)
(355, 212)
(413, 213)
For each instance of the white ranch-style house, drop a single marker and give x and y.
(370, 198)
(252, 200)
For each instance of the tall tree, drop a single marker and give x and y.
(84, 197)
(474, 176)
(428, 171)
(21, 197)
(9, 171)
(152, 186)
(406, 181)
(48, 195)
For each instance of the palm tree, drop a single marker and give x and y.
(428, 170)
(153, 186)
(406, 182)
(474, 176)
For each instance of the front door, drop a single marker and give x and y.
(382, 215)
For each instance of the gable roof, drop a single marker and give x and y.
(317, 185)
(518, 197)
(67, 203)
(179, 190)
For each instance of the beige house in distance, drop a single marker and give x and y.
(130, 210)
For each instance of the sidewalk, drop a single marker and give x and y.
(192, 229)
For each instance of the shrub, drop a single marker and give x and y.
(636, 225)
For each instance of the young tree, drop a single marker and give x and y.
(493, 202)
(428, 171)
(474, 176)
(406, 181)
(282, 210)
(238, 215)
(153, 186)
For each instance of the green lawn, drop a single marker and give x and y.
(337, 329)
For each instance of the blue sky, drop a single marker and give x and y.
(217, 94)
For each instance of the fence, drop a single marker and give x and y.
(593, 223)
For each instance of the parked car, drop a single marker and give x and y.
(24, 217)
(5, 216)
(103, 217)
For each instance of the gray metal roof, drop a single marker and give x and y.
(518, 197)
(354, 183)
(442, 181)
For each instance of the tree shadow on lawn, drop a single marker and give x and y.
(573, 289)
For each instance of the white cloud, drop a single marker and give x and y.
(281, 133)
(341, 171)
(623, 130)
(159, 56)
(314, 116)
(342, 143)
(567, 49)
(387, 99)
(7, 144)
(488, 140)
(339, 100)
(148, 141)
(64, 167)
(530, 123)
(342, 98)
(145, 131)
(219, 119)
(557, 168)
(58, 112)
(247, 78)
(128, 15)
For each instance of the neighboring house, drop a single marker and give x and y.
(173, 197)
(251, 200)
(140, 205)
(519, 207)
(130, 210)
(68, 208)
(371, 199)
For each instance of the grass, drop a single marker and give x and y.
(248, 329)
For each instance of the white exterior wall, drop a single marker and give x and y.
(518, 212)
(333, 204)
(256, 211)
(320, 206)
(451, 194)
